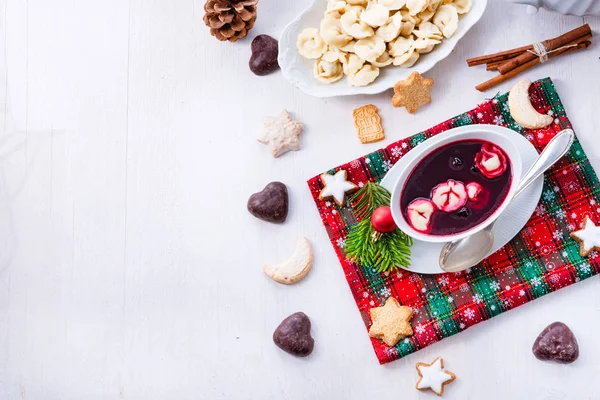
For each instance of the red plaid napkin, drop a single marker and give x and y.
(542, 258)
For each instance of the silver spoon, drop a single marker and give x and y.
(471, 250)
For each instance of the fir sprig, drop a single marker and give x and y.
(368, 198)
(385, 251)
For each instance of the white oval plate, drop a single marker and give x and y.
(299, 71)
(425, 256)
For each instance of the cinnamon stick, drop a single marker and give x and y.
(551, 55)
(552, 44)
(500, 56)
(493, 66)
(498, 79)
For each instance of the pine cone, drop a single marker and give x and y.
(230, 19)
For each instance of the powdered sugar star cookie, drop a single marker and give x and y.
(281, 134)
(390, 322)
(588, 237)
(336, 187)
(432, 376)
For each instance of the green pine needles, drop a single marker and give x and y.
(383, 251)
(368, 198)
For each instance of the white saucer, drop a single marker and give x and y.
(424, 258)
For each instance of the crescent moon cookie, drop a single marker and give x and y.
(588, 237)
(521, 109)
(336, 187)
(390, 322)
(433, 377)
(293, 269)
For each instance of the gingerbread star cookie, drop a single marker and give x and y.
(588, 237)
(281, 134)
(412, 93)
(368, 124)
(433, 377)
(390, 322)
(336, 187)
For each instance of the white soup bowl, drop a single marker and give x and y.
(471, 132)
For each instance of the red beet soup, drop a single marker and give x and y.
(456, 187)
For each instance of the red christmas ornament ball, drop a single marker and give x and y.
(382, 220)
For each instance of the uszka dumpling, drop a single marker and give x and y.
(370, 48)
(383, 60)
(407, 59)
(348, 47)
(353, 65)
(434, 4)
(332, 33)
(328, 72)
(310, 44)
(391, 29)
(375, 15)
(408, 23)
(446, 18)
(416, 6)
(428, 30)
(365, 75)
(425, 15)
(462, 6)
(353, 26)
(392, 5)
(425, 45)
(334, 54)
(401, 46)
(339, 7)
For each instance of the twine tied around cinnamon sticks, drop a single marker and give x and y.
(512, 62)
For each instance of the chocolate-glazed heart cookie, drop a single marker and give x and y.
(556, 343)
(293, 335)
(270, 204)
(265, 50)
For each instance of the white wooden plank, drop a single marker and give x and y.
(66, 65)
(129, 267)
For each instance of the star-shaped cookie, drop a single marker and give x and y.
(281, 134)
(588, 237)
(390, 322)
(336, 187)
(432, 376)
(412, 93)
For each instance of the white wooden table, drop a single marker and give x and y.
(129, 266)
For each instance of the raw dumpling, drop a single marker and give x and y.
(383, 60)
(446, 19)
(401, 46)
(328, 72)
(375, 15)
(353, 26)
(310, 44)
(428, 30)
(367, 74)
(370, 48)
(392, 5)
(391, 29)
(416, 6)
(408, 59)
(462, 6)
(332, 33)
(353, 65)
